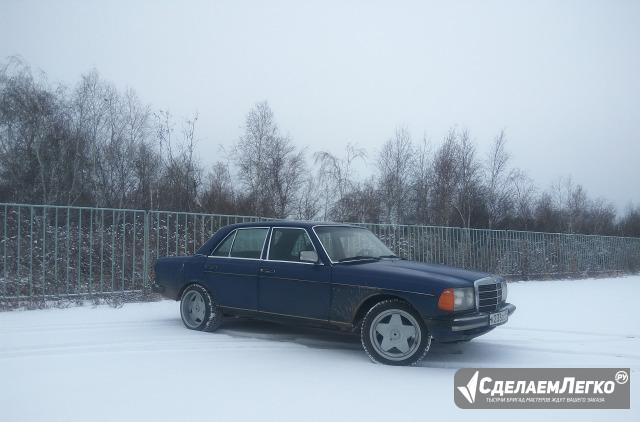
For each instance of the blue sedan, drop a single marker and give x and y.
(332, 275)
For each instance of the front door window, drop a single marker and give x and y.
(287, 243)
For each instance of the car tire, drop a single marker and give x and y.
(394, 334)
(198, 309)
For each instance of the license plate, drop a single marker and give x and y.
(498, 317)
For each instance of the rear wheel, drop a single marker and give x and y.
(394, 334)
(198, 309)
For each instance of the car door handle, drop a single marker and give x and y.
(265, 270)
(210, 267)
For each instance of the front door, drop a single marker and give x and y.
(288, 286)
(231, 272)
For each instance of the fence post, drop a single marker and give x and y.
(145, 264)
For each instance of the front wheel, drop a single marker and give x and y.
(394, 334)
(198, 309)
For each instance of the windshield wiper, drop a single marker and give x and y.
(359, 258)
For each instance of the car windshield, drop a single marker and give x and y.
(344, 243)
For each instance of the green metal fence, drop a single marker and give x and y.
(58, 251)
(55, 251)
(516, 254)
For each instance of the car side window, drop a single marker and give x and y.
(287, 243)
(224, 248)
(248, 243)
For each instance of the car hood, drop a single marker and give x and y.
(400, 274)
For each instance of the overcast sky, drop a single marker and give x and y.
(561, 77)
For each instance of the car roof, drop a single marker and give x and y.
(288, 223)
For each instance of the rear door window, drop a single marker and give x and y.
(248, 243)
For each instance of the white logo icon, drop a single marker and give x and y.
(622, 377)
(469, 392)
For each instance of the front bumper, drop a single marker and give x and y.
(478, 320)
(466, 327)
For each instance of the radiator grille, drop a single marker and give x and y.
(489, 297)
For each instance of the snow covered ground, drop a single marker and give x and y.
(140, 363)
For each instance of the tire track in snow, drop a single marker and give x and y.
(148, 345)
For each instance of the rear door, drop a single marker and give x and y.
(288, 286)
(231, 272)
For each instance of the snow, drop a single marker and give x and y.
(139, 362)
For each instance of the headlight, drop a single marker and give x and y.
(457, 299)
(504, 291)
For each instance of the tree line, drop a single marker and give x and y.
(95, 145)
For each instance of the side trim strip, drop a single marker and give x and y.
(277, 277)
(234, 274)
(286, 315)
(382, 288)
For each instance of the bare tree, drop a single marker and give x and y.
(182, 175)
(218, 195)
(576, 209)
(601, 218)
(422, 181)
(571, 200)
(39, 147)
(286, 169)
(445, 179)
(524, 198)
(308, 204)
(499, 191)
(395, 164)
(362, 203)
(270, 167)
(95, 145)
(116, 128)
(469, 185)
(147, 172)
(629, 224)
(547, 215)
(336, 180)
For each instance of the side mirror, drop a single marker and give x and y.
(308, 256)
